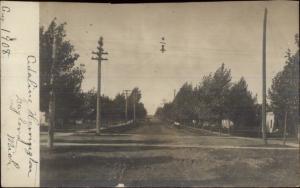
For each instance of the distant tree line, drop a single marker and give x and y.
(71, 103)
(111, 109)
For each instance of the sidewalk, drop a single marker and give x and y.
(120, 125)
(87, 130)
(289, 142)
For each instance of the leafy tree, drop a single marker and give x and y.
(214, 99)
(220, 90)
(136, 96)
(90, 105)
(204, 99)
(119, 106)
(159, 112)
(183, 103)
(284, 92)
(67, 76)
(111, 109)
(242, 105)
(107, 109)
(166, 112)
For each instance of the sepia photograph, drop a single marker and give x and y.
(194, 94)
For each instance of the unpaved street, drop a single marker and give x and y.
(157, 154)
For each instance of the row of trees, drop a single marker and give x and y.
(215, 98)
(112, 109)
(71, 102)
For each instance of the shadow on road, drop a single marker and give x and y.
(121, 141)
(83, 149)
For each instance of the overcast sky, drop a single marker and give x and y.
(199, 37)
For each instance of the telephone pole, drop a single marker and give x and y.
(264, 79)
(52, 97)
(99, 58)
(174, 93)
(126, 91)
(134, 101)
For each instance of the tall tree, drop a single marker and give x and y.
(136, 97)
(119, 105)
(204, 99)
(242, 105)
(220, 90)
(67, 76)
(183, 104)
(284, 92)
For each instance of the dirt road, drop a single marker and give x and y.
(157, 154)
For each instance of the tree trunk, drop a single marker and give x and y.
(298, 134)
(284, 130)
(51, 120)
(220, 125)
(299, 141)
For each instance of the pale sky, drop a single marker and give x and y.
(199, 37)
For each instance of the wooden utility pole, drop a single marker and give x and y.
(52, 97)
(99, 58)
(299, 139)
(126, 91)
(299, 142)
(134, 101)
(264, 79)
(174, 93)
(284, 130)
